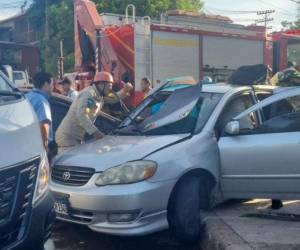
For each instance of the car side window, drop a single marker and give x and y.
(279, 117)
(234, 108)
(262, 95)
(276, 109)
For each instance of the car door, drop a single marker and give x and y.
(59, 109)
(263, 162)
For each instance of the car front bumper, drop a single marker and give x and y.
(132, 209)
(40, 225)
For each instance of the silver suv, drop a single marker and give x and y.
(26, 204)
(185, 148)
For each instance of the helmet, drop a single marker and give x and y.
(103, 76)
(286, 78)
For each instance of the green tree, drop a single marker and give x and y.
(61, 27)
(191, 5)
(151, 8)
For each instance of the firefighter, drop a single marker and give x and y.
(85, 109)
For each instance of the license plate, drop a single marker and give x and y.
(61, 206)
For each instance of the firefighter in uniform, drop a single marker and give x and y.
(84, 111)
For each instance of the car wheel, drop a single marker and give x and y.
(190, 195)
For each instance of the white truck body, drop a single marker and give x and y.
(177, 47)
(175, 54)
(21, 79)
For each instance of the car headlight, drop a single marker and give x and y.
(42, 180)
(129, 172)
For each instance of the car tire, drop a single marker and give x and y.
(191, 194)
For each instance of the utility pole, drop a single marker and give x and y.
(266, 18)
(46, 20)
(98, 51)
(46, 32)
(60, 61)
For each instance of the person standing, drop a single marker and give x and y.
(84, 111)
(39, 99)
(67, 88)
(146, 86)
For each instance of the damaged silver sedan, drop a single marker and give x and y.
(185, 148)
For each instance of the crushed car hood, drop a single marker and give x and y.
(114, 150)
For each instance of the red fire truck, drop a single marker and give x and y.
(179, 43)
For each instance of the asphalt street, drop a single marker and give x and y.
(68, 236)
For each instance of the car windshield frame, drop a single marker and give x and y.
(129, 124)
(8, 94)
(5, 81)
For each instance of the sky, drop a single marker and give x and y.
(285, 10)
(10, 8)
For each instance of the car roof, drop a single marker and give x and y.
(53, 95)
(223, 88)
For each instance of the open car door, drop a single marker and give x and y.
(263, 161)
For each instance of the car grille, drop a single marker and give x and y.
(73, 176)
(17, 185)
(78, 216)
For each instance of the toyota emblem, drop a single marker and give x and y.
(66, 176)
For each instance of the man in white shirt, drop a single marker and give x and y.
(67, 88)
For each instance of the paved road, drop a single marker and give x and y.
(75, 237)
(235, 225)
(253, 225)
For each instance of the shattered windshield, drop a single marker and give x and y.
(171, 112)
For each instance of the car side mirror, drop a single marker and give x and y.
(232, 128)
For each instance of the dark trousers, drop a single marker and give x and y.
(276, 204)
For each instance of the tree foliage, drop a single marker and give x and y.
(151, 8)
(61, 27)
(295, 25)
(61, 23)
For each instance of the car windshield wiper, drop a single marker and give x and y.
(124, 132)
(132, 121)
